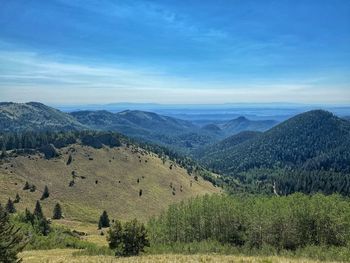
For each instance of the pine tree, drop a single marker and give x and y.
(17, 198)
(104, 220)
(70, 159)
(40, 222)
(38, 212)
(45, 194)
(11, 242)
(32, 188)
(26, 186)
(28, 216)
(10, 207)
(57, 212)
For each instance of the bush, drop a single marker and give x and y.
(129, 239)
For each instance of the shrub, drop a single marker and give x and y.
(129, 239)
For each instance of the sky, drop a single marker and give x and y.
(171, 52)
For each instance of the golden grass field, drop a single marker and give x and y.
(117, 171)
(66, 255)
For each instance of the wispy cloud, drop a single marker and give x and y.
(27, 76)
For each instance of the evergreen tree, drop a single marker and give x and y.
(28, 216)
(17, 198)
(38, 212)
(57, 212)
(32, 188)
(26, 186)
(11, 242)
(104, 220)
(45, 194)
(10, 207)
(70, 159)
(40, 222)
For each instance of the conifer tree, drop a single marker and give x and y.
(38, 211)
(11, 241)
(32, 188)
(104, 220)
(17, 198)
(57, 212)
(40, 221)
(10, 207)
(45, 194)
(69, 159)
(26, 186)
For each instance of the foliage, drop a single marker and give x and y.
(11, 240)
(129, 239)
(37, 219)
(283, 223)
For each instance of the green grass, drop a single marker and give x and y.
(86, 200)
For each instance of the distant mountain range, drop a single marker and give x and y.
(176, 133)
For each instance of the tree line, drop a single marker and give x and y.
(284, 223)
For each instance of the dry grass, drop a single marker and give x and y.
(66, 255)
(86, 200)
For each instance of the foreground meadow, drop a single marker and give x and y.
(67, 255)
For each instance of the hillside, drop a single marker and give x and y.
(34, 116)
(180, 135)
(311, 146)
(174, 133)
(104, 179)
(243, 124)
(225, 145)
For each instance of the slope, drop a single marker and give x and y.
(100, 179)
(34, 116)
(314, 136)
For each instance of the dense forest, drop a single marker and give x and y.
(281, 223)
(307, 153)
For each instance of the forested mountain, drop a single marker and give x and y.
(243, 124)
(225, 145)
(181, 135)
(174, 133)
(146, 122)
(303, 147)
(34, 116)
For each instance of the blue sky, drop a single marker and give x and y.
(104, 51)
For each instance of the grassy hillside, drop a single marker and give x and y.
(105, 179)
(67, 255)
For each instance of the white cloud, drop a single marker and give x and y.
(26, 76)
